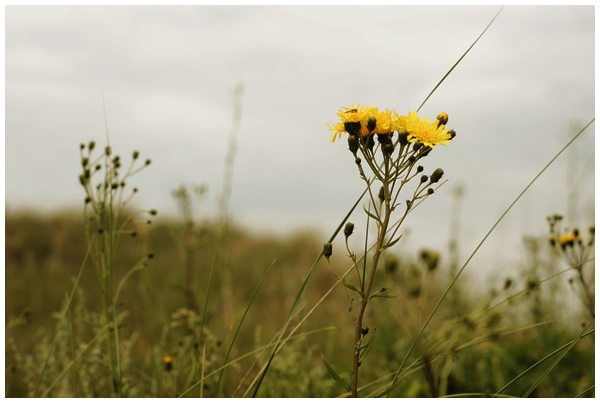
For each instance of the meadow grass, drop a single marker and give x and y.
(153, 309)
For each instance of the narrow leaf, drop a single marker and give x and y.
(335, 376)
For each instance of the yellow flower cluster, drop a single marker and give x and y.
(368, 120)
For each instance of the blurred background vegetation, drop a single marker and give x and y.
(468, 348)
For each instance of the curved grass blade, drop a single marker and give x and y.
(539, 362)
(393, 385)
(63, 314)
(239, 326)
(300, 292)
(572, 344)
(212, 270)
(585, 391)
(459, 60)
(335, 376)
(251, 353)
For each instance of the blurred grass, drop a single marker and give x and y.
(44, 253)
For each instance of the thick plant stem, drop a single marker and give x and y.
(363, 305)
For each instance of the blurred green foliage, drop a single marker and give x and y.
(468, 348)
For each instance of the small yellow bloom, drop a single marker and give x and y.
(353, 114)
(168, 361)
(338, 129)
(385, 123)
(567, 239)
(423, 132)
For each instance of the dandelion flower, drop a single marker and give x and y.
(425, 133)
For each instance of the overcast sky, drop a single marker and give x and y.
(167, 74)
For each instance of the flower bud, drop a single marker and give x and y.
(348, 229)
(424, 178)
(442, 118)
(136, 154)
(91, 145)
(381, 194)
(371, 124)
(403, 138)
(353, 143)
(168, 361)
(452, 134)
(430, 191)
(388, 149)
(436, 175)
(420, 168)
(107, 150)
(327, 250)
(417, 146)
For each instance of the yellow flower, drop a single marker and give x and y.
(338, 129)
(400, 123)
(428, 134)
(385, 123)
(567, 239)
(354, 114)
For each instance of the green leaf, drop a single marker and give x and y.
(335, 376)
(373, 216)
(379, 294)
(353, 288)
(382, 296)
(367, 347)
(390, 244)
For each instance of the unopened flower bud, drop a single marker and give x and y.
(403, 138)
(148, 162)
(452, 133)
(417, 146)
(371, 124)
(420, 168)
(136, 154)
(84, 161)
(381, 194)
(153, 212)
(348, 229)
(91, 145)
(353, 143)
(436, 175)
(357, 161)
(430, 191)
(81, 146)
(327, 250)
(388, 148)
(107, 150)
(442, 118)
(424, 178)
